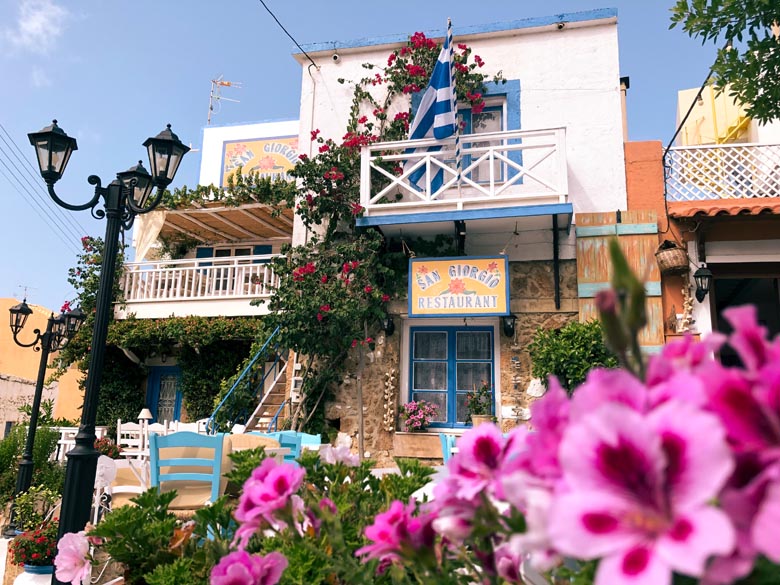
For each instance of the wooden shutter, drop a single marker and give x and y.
(637, 232)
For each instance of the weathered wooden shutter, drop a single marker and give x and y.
(637, 232)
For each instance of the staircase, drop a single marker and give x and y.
(734, 131)
(262, 384)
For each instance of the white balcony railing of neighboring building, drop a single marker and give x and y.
(199, 279)
(498, 169)
(733, 171)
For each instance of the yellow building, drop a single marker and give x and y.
(19, 370)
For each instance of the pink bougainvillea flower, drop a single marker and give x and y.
(72, 562)
(267, 490)
(638, 493)
(242, 568)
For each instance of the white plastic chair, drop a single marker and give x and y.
(130, 439)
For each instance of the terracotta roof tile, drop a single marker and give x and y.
(715, 207)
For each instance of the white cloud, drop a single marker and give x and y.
(39, 24)
(39, 77)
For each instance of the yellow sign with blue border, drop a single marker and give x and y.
(271, 158)
(465, 286)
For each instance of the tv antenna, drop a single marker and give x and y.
(215, 97)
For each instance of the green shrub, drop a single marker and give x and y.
(569, 353)
(45, 472)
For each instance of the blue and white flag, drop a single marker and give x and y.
(437, 115)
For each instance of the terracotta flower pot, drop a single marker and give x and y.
(478, 419)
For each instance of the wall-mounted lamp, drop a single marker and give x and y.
(703, 278)
(388, 326)
(508, 325)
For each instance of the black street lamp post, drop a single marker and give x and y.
(59, 330)
(123, 199)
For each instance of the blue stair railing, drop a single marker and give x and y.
(248, 380)
(273, 426)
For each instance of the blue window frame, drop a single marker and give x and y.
(445, 364)
(509, 95)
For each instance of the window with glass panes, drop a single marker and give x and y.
(490, 119)
(446, 363)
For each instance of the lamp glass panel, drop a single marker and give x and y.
(60, 153)
(162, 158)
(175, 161)
(42, 150)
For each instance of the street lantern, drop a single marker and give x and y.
(73, 321)
(123, 199)
(703, 278)
(138, 180)
(165, 154)
(59, 330)
(53, 148)
(19, 314)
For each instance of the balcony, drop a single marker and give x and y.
(723, 175)
(509, 175)
(206, 287)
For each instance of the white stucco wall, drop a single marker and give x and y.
(568, 77)
(214, 138)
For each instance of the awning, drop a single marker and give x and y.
(218, 223)
(724, 207)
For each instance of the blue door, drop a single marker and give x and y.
(447, 363)
(163, 392)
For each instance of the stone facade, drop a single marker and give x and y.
(532, 296)
(532, 301)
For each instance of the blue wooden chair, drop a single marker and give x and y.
(292, 441)
(447, 444)
(191, 464)
(311, 442)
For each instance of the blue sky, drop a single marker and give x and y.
(115, 72)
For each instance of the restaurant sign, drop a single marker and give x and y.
(270, 158)
(458, 287)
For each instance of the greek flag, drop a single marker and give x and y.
(437, 115)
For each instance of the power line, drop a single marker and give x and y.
(79, 229)
(39, 200)
(62, 235)
(287, 33)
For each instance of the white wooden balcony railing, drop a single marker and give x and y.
(199, 279)
(498, 169)
(734, 171)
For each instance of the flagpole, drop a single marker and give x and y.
(458, 157)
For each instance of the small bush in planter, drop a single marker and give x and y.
(417, 415)
(569, 353)
(36, 547)
(34, 507)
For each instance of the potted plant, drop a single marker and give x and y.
(35, 551)
(479, 405)
(417, 415)
(33, 507)
(105, 446)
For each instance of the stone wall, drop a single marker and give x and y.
(532, 296)
(378, 441)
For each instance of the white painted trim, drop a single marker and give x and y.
(743, 251)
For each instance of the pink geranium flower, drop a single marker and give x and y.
(72, 561)
(242, 568)
(267, 491)
(638, 493)
(342, 454)
(401, 530)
